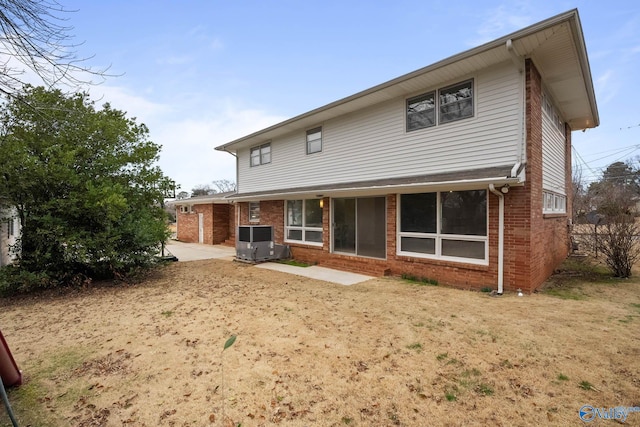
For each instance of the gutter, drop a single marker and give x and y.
(500, 195)
(328, 191)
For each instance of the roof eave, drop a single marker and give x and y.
(570, 16)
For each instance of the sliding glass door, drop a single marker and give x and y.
(359, 226)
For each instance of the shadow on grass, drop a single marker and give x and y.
(572, 279)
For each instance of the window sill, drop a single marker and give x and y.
(301, 243)
(554, 215)
(480, 265)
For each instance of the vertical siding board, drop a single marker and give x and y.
(553, 157)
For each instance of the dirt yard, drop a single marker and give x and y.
(308, 353)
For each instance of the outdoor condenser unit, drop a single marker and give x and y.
(255, 243)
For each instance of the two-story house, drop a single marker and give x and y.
(458, 172)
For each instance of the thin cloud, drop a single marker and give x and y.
(500, 21)
(188, 154)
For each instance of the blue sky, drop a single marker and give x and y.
(202, 73)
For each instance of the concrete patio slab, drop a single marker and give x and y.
(196, 251)
(318, 273)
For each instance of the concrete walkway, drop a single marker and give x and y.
(196, 251)
(318, 273)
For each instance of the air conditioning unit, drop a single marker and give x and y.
(255, 243)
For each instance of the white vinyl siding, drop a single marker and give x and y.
(553, 155)
(374, 144)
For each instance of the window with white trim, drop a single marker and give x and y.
(448, 225)
(456, 102)
(303, 221)
(186, 208)
(254, 211)
(552, 113)
(261, 155)
(314, 140)
(553, 203)
(421, 111)
(452, 103)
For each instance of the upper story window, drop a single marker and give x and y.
(261, 155)
(314, 140)
(551, 112)
(421, 111)
(186, 209)
(254, 211)
(454, 102)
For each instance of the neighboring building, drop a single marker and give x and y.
(9, 233)
(205, 219)
(458, 172)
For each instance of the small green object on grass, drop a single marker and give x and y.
(229, 342)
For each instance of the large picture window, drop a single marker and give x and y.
(452, 103)
(303, 222)
(451, 225)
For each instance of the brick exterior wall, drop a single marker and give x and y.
(534, 244)
(217, 219)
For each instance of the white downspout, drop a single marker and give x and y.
(518, 61)
(500, 237)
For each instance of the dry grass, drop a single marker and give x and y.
(384, 352)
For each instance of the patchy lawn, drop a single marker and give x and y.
(384, 352)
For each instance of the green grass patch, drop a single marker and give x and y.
(572, 293)
(294, 263)
(50, 380)
(506, 364)
(572, 279)
(586, 385)
(415, 346)
(627, 319)
(442, 356)
(167, 313)
(563, 377)
(484, 389)
(422, 281)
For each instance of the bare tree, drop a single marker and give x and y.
(614, 229)
(201, 190)
(35, 34)
(580, 201)
(224, 185)
(182, 195)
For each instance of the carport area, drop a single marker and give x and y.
(196, 251)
